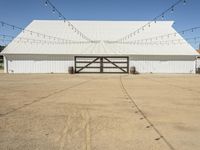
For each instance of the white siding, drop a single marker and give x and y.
(5, 64)
(39, 63)
(60, 64)
(198, 62)
(163, 64)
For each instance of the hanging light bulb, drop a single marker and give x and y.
(162, 17)
(46, 3)
(184, 2)
(53, 10)
(172, 10)
(60, 16)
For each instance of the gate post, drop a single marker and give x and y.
(101, 65)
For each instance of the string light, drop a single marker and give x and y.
(176, 41)
(31, 41)
(46, 3)
(59, 16)
(4, 24)
(173, 34)
(162, 16)
(184, 2)
(55, 10)
(170, 9)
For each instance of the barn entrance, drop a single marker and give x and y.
(101, 64)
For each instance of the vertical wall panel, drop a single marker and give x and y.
(39, 63)
(163, 64)
(198, 62)
(60, 63)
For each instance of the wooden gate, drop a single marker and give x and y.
(101, 64)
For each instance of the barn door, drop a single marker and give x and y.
(101, 64)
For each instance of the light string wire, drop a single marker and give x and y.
(175, 41)
(162, 15)
(150, 39)
(11, 38)
(61, 16)
(41, 35)
(4, 37)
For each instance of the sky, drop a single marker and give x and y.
(22, 12)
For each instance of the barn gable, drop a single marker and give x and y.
(102, 32)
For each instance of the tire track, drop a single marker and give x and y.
(171, 85)
(87, 131)
(71, 130)
(64, 134)
(42, 98)
(145, 117)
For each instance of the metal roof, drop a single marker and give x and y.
(100, 31)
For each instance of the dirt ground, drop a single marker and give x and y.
(99, 112)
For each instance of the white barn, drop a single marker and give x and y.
(56, 57)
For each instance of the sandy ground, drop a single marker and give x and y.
(99, 112)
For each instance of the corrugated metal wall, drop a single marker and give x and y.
(198, 62)
(163, 64)
(60, 64)
(39, 63)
